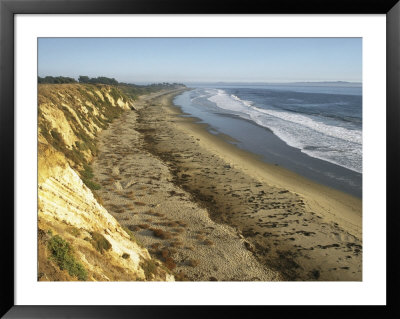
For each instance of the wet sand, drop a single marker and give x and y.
(256, 139)
(211, 211)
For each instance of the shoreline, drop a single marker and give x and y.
(231, 203)
(261, 141)
(348, 207)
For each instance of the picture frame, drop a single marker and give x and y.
(8, 10)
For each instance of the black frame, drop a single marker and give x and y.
(10, 7)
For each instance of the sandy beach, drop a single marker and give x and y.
(213, 212)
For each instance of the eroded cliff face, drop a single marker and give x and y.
(77, 238)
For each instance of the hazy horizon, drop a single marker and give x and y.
(203, 60)
(328, 83)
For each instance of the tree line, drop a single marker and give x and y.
(81, 79)
(56, 80)
(132, 90)
(98, 80)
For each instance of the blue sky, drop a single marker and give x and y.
(139, 60)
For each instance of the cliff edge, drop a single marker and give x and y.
(77, 238)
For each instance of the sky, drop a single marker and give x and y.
(185, 60)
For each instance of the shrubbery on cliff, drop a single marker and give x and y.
(98, 80)
(55, 80)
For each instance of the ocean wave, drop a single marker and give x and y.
(335, 144)
(354, 136)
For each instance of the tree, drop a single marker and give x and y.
(83, 79)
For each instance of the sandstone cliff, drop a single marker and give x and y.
(77, 238)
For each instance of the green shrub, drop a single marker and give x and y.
(87, 175)
(131, 235)
(57, 141)
(74, 231)
(62, 254)
(56, 80)
(86, 141)
(75, 155)
(100, 242)
(79, 146)
(56, 136)
(98, 80)
(44, 129)
(149, 268)
(87, 172)
(92, 185)
(115, 94)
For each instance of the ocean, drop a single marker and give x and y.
(312, 129)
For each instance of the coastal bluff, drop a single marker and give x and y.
(131, 188)
(77, 238)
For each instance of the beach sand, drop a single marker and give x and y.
(211, 211)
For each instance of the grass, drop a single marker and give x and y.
(62, 253)
(74, 231)
(149, 267)
(100, 242)
(117, 94)
(57, 138)
(76, 153)
(87, 175)
(92, 185)
(44, 128)
(87, 172)
(85, 142)
(99, 199)
(132, 236)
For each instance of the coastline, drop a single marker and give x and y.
(329, 202)
(260, 140)
(276, 220)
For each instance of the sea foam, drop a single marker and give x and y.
(332, 143)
